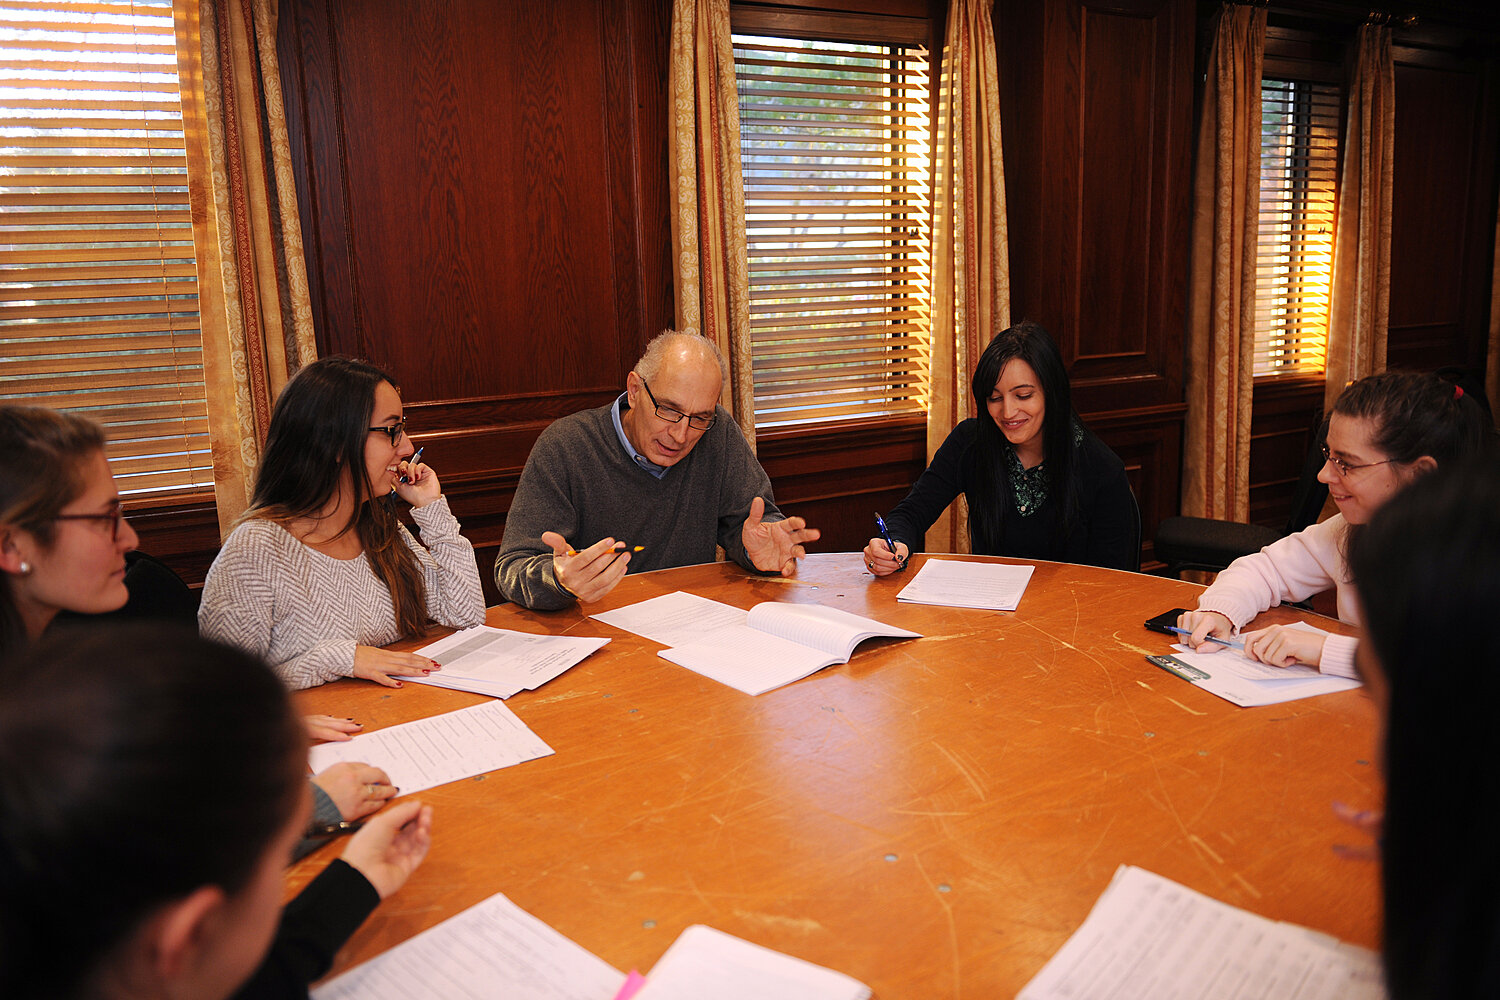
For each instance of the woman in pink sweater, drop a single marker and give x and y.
(1384, 432)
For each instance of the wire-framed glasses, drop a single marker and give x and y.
(696, 421)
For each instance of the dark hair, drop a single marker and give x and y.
(1028, 342)
(1416, 414)
(42, 456)
(1427, 568)
(137, 763)
(318, 429)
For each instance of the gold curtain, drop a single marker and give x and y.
(252, 280)
(1221, 304)
(971, 266)
(1359, 309)
(711, 277)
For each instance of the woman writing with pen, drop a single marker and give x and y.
(1385, 431)
(1039, 485)
(320, 573)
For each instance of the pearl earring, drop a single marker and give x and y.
(25, 567)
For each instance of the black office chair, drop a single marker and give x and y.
(156, 594)
(1203, 543)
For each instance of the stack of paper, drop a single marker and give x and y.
(430, 752)
(1152, 939)
(499, 662)
(773, 644)
(497, 951)
(955, 583)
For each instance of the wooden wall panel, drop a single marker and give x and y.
(1443, 209)
(483, 193)
(1096, 102)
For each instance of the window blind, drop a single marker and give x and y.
(98, 292)
(1294, 254)
(835, 152)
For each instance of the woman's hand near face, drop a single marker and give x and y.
(384, 666)
(1201, 625)
(423, 486)
(389, 847)
(880, 561)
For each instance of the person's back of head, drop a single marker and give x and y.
(137, 765)
(1428, 571)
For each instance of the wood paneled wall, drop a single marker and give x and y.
(1096, 119)
(483, 191)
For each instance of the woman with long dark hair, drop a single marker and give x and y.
(319, 573)
(151, 789)
(1039, 485)
(1428, 571)
(1386, 431)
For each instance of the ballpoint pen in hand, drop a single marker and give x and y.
(1231, 643)
(890, 544)
(411, 463)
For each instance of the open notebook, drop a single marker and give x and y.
(779, 643)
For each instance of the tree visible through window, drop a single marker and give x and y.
(98, 288)
(836, 157)
(1294, 257)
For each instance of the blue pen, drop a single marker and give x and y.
(1231, 643)
(411, 463)
(886, 534)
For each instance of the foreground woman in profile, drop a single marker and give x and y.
(1039, 485)
(1428, 572)
(141, 851)
(320, 573)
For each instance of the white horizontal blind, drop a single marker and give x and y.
(98, 292)
(1294, 257)
(836, 155)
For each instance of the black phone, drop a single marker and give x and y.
(1167, 618)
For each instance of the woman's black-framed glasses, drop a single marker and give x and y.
(394, 431)
(696, 421)
(115, 516)
(1345, 468)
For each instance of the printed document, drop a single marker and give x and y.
(704, 962)
(494, 950)
(673, 619)
(1148, 938)
(956, 583)
(434, 751)
(499, 662)
(779, 643)
(1236, 678)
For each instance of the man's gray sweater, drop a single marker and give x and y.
(580, 483)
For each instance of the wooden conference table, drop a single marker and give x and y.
(934, 818)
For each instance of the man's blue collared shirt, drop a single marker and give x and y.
(614, 414)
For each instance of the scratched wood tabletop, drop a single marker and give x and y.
(934, 818)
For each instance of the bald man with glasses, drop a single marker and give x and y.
(653, 480)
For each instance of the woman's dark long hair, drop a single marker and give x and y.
(1030, 343)
(42, 457)
(318, 429)
(137, 764)
(1427, 568)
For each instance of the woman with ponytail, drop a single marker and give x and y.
(319, 572)
(1385, 431)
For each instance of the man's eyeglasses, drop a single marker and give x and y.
(1344, 467)
(697, 422)
(394, 431)
(115, 516)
